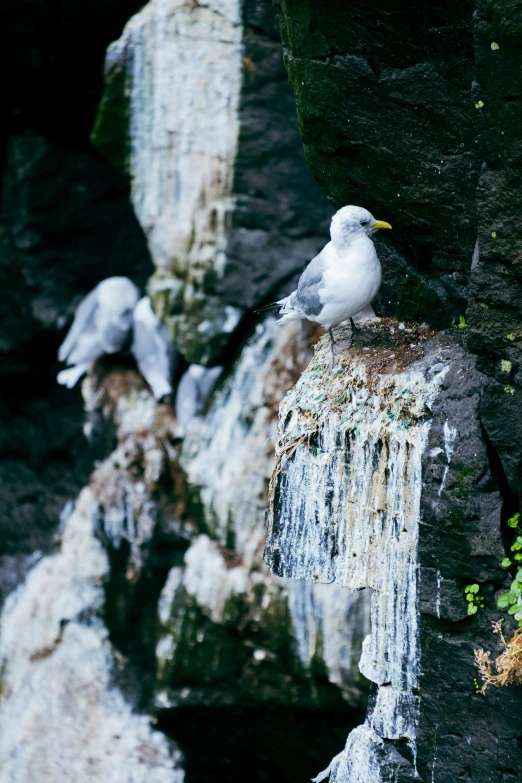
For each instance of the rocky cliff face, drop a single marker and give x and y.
(195, 97)
(146, 630)
(416, 111)
(404, 502)
(158, 624)
(65, 224)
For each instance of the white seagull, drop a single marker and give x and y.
(102, 322)
(343, 279)
(153, 349)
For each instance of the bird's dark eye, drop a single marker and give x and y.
(364, 222)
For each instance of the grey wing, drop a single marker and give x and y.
(152, 346)
(306, 297)
(83, 323)
(104, 333)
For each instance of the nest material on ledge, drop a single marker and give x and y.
(508, 664)
(380, 352)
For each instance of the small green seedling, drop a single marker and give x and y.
(474, 599)
(460, 324)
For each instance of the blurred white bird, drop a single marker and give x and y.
(102, 322)
(192, 393)
(343, 279)
(153, 349)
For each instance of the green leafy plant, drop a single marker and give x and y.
(473, 597)
(512, 599)
(517, 546)
(460, 324)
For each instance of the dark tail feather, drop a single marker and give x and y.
(267, 307)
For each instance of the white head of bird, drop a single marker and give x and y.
(351, 223)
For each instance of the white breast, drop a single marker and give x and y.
(351, 281)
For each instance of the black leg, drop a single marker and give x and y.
(354, 328)
(332, 339)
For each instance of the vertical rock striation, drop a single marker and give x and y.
(175, 74)
(60, 715)
(345, 507)
(376, 462)
(223, 613)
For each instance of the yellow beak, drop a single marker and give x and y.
(381, 224)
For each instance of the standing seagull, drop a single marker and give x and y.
(102, 322)
(343, 279)
(152, 349)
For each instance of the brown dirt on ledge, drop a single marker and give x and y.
(388, 348)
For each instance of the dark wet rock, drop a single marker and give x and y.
(281, 216)
(387, 121)
(65, 225)
(495, 313)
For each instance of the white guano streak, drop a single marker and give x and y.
(184, 80)
(231, 448)
(450, 433)
(368, 464)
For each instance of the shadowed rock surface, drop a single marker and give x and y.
(65, 224)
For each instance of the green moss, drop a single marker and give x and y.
(504, 16)
(200, 324)
(110, 134)
(201, 331)
(203, 653)
(417, 302)
(195, 511)
(230, 538)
